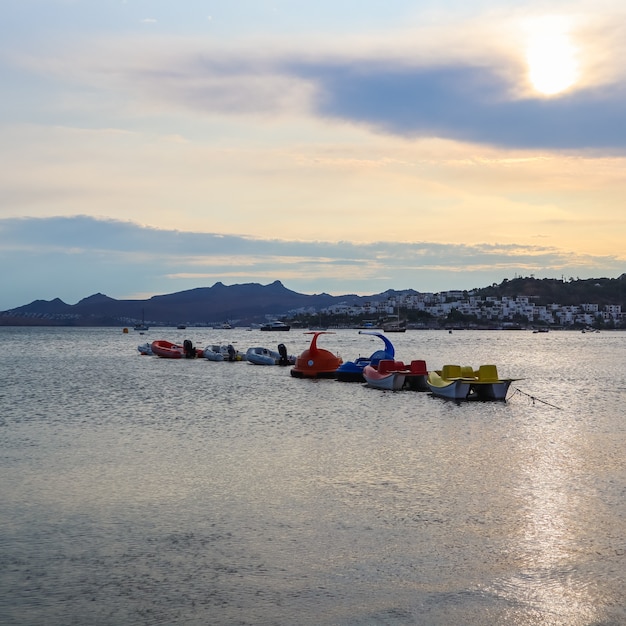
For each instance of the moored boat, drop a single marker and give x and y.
(316, 362)
(464, 383)
(145, 349)
(263, 356)
(275, 326)
(216, 352)
(143, 326)
(352, 371)
(448, 383)
(168, 350)
(391, 375)
(213, 353)
(393, 324)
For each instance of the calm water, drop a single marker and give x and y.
(137, 490)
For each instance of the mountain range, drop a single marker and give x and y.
(244, 304)
(251, 303)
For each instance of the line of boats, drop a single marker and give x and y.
(381, 370)
(214, 352)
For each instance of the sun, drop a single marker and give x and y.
(551, 56)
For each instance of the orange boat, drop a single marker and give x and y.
(316, 362)
(168, 350)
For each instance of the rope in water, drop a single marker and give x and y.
(534, 399)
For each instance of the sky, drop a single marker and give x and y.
(344, 146)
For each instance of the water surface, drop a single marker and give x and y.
(139, 490)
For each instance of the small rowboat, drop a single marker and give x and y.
(145, 349)
(168, 350)
(223, 353)
(264, 356)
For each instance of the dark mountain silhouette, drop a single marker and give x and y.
(254, 303)
(245, 303)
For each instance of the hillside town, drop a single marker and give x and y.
(468, 310)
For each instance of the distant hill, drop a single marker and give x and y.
(545, 291)
(246, 303)
(253, 303)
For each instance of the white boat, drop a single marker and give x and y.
(275, 326)
(143, 326)
(464, 383)
(213, 353)
(263, 356)
(217, 352)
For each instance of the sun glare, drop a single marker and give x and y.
(551, 56)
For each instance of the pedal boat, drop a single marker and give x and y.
(352, 371)
(393, 375)
(316, 362)
(455, 382)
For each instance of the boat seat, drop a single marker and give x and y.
(488, 373)
(399, 366)
(451, 371)
(418, 368)
(385, 366)
(467, 371)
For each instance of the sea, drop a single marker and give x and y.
(137, 490)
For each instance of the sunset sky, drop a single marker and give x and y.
(344, 146)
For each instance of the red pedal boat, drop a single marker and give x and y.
(315, 362)
(394, 375)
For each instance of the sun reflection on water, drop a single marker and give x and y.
(555, 519)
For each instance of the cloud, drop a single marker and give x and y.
(73, 257)
(470, 104)
(458, 82)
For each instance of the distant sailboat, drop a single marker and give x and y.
(142, 326)
(392, 324)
